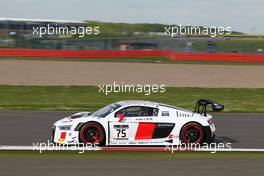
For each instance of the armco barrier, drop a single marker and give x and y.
(235, 57)
(171, 55)
(81, 53)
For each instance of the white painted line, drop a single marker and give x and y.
(231, 150)
(75, 148)
(48, 148)
(10, 147)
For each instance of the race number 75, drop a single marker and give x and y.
(121, 133)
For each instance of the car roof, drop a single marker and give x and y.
(147, 103)
(138, 103)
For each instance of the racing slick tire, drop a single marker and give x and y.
(192, 133)
(92, 133)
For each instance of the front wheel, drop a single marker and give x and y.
(92, 133)
(192, 133)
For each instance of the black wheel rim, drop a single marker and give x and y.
(92, 134)
(192, 134)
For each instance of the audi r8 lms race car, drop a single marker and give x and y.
(136, 122)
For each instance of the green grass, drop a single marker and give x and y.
(130, 154)
(124, 30)
(239, 45)
(87, 98)
(116, 30)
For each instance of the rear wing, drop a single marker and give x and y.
(202, 104)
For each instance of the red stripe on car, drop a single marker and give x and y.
(145, 130)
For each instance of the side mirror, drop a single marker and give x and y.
(121, 117)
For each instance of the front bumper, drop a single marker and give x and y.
(64, 136)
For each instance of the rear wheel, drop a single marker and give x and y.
(92, 133)
(192, 133)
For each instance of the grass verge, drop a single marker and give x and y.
(130, 154)
(87, 98)
(239, 45)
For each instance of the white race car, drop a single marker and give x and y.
(136, 122)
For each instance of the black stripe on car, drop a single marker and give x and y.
(162, 130)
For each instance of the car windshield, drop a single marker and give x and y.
(103, 112)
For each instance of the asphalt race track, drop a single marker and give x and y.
(26, 127)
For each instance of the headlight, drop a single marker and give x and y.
(66, 120)
(65, 127)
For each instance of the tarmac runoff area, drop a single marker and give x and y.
(28, 72)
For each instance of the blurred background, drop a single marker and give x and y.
(18, 33)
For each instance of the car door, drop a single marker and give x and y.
(132, 124)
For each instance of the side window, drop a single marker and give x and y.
(138, 111)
